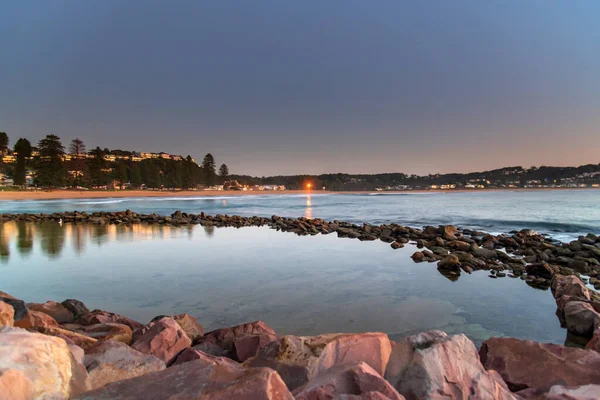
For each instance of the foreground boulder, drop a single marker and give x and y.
(224, 339)
(7, 315)
(433, 365)
(70, 337)
(102, 317)
(191, 354)
(19, 307)
(197, 381)
(76, 307)
(525, 364)
(112, 361)
(580, 318)
(559, 392)
(164, 340)
(353, 379)
(299, 359)
(35, 320)
(246, 347)
(53, 309)
(45, 361)
(109, 331)
(189, 324)
(15, 385)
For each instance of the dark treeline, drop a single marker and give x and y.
(51, 165)
(516, 176)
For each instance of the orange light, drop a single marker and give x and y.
(308, 185)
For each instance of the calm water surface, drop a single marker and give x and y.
(298, 285)
(565, 214)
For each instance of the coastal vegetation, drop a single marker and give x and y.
(51, 165)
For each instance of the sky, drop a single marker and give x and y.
(312, 86)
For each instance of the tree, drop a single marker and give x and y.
(135, 177)
(208, 166)
(97, 165)
(120, 174)
(51, 172)
(223, 171)
(23, 150)
(3, 143)
(78, 162)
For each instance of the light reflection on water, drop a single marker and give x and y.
(298, 285)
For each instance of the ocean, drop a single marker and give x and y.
(301, 285)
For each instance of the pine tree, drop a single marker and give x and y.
(78, 162)
(208, 167)
(51, 171)
(3, 143)
(223, 171)
(23, 150)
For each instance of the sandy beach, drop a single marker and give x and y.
(99, 194)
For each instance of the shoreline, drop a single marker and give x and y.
(17, 195)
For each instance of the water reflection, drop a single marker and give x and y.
(20, 237)
(308, 212)
(298, 284)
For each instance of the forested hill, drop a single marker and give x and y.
(498, 178)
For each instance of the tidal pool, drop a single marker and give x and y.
(301, 285)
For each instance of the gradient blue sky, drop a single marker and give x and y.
(282, 87)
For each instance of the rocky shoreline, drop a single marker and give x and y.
(525, 254)
(63, 350)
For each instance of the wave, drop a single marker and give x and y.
(111, 201)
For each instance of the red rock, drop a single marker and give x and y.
(112, 361)
(53, 309)
(164, 340)
(247, 346)
(70, 337)
(594, 343)
(581, 318)
(197, 381)
(353, 379)
(35, 320)
(7, 315)
(15, 385)
(76, 307)
(433, 365)
(541, 270)
(46, 362)
(103, 317)
(191, 354)
(585, 392)
(571, 286)
(189, 324)
(225, 337)
(299, 359)
(525, 364)
(19, 306)
(109, 331)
